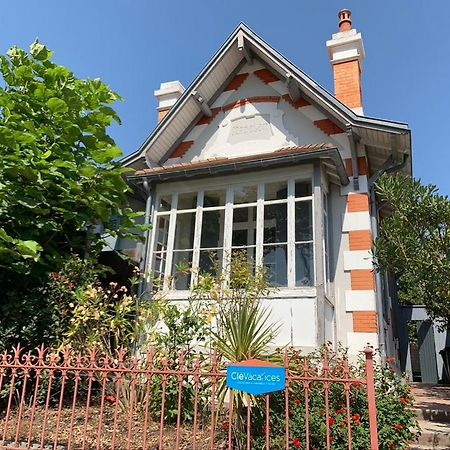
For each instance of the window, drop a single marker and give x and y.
(271, 222)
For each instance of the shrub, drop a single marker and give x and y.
(397, 423)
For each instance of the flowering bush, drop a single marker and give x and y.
(397, 424)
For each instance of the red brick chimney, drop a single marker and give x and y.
(346, 54)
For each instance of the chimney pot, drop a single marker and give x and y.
(345, 21)
(346, 55)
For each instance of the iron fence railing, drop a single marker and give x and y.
(69, 400)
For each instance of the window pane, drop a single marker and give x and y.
(304, 265)
(184, 231)
(212, 229)
(162, 233)
(275, 260)
(275, 191)
(182, 263)
(303, 221)
(275, 223)
(187, 201)
(303, 189)
(210, 261)
(214, 198)
(244, 226)
(245, 194)
(160, 264)
(165, 203)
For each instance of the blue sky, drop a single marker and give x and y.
(134, 45)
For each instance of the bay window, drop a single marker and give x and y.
(198, 231)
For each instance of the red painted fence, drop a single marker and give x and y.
(74, 401)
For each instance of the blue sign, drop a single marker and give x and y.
(256, 377)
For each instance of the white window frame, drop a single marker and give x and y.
(228, 183)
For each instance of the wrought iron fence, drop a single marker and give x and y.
(70, 400)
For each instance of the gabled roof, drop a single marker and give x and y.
(242, 45)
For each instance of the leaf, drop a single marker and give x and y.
(29, 249)
(40, 51)
(106, 155)
(56, 105)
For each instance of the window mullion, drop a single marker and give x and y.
(291, 232)
(170, 241)
(197, 238)
(228, 230)
(259, 226)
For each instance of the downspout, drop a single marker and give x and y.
(387, 167)
(148, 189)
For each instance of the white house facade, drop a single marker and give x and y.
(255, 156)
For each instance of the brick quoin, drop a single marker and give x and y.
(365, 322)
(347, 83)
(300, 103)
(182, 149)
(328, 127)
(357, 203)
(236, 82)
(266, 76)
(206, 120)
(362, 280)
(363, 167)
(360, 240)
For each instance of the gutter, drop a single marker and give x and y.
(387, 167)
(261, 163)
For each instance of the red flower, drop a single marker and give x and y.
(296, 443)
(331, 421)
(110, 399)
(343, 424)
(340, 411)
(297, 401)
(225, 426)
(404, 400)
(355, 419)
(398, 426)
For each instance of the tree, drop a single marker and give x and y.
(59, 176)
(414, 243)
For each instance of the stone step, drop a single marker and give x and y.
(433, 415)
(427, 447)
(434, 435)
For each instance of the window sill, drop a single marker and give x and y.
(284, 292)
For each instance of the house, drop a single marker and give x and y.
(255, 155)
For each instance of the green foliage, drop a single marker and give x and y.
(414, 243)
(180, 330)
(397, 423)
(58, 177)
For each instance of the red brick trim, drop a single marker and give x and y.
(236, 82)
(205, 120)
(300, 103)
(181, 149)
(357, 203)
(362, 280)
(365, 322)
(249, 101)
(328, 127)
(266, 76)
(363, 167)
(360, 240)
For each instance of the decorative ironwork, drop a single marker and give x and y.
(68, 400)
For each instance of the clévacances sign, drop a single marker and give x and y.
(256, 377)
